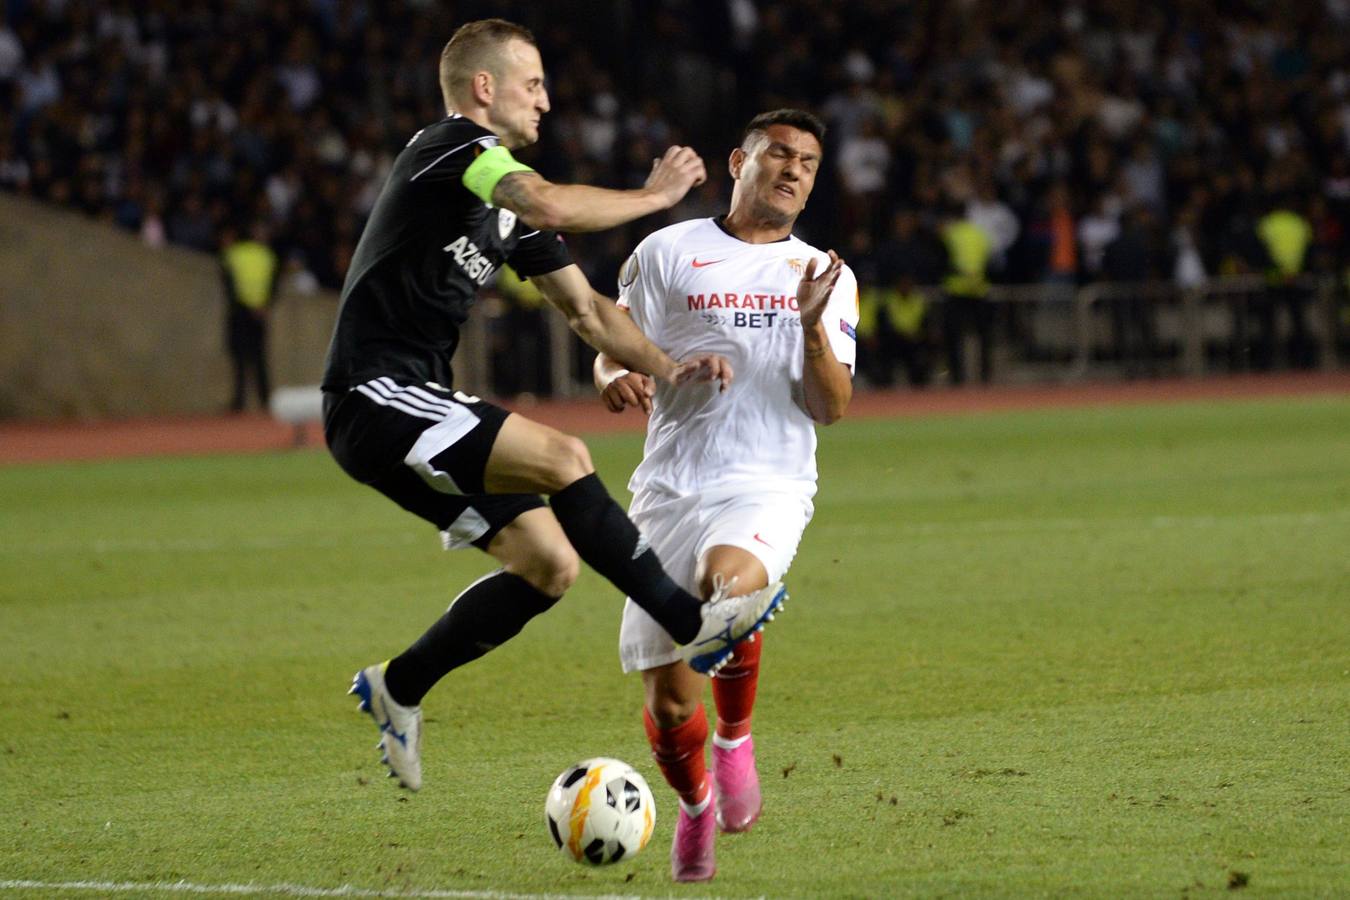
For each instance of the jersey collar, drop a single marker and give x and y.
(720, 222)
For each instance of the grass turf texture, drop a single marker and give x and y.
(1088, 653)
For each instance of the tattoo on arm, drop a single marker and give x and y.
(513, 193)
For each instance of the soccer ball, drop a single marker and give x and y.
(600, 811)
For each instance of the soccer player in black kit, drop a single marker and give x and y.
(455, 207)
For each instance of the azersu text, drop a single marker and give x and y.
(472, 260)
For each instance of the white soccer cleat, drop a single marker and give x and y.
(400, 726)
(729, 620)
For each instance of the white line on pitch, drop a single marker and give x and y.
(202, 545)
(964, 527)
(284, 890)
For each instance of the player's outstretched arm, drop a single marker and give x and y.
(597, 321)
(826, 382)
(577, 207)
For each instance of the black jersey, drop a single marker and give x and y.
(429, 246)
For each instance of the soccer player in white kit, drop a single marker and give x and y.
(725, 485)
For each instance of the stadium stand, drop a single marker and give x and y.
(1087, 139)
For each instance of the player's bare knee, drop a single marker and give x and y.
(552, 570)
(740, 571)
(571, 460)
(564, 567)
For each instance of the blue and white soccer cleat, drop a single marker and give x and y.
(400, 726)
(729, 620)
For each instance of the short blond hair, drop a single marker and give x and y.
(473, 48)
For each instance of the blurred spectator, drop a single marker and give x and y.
(1144, 179)
(997, 219)
(894, 329)
(39, 83)
(11, 50)
(191, 224)
(15, 173)
(1188, 270)
(849, 109)
(153, 232)
(911, 250)
(965, 295)
(862, 162)
(1287, 235)
(250, 271)
(1096, 230)
(1136, 256)
(908, 263)
(1328, 238)
(1062, 262)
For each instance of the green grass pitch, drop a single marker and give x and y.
(1092, 653)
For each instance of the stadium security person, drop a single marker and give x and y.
(725, 484)
(455, 208)
(965, 295)
(1287, 236)
(250, 271)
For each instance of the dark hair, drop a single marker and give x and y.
(795, 118)
(472, 48)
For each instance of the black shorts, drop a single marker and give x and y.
(426, 449)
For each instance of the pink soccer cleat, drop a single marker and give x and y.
(691, 853)
(737, 786)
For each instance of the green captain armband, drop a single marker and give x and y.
(491, 166)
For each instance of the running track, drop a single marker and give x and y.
(35, 442)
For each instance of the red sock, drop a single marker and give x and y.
(678, 752)
(734, 689)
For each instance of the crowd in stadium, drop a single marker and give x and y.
(1063, 129)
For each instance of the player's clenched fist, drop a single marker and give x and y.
(678, 170)
(629, 389)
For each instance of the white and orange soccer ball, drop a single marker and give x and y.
(600, 811)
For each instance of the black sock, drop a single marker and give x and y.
(606, 539)
(489, 613)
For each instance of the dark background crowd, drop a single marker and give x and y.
(1086, 140)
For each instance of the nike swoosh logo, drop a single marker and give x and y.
(709, 262)
(762, 541)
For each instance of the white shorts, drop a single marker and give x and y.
(683, 529)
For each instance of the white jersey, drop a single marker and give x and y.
(693, 288)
